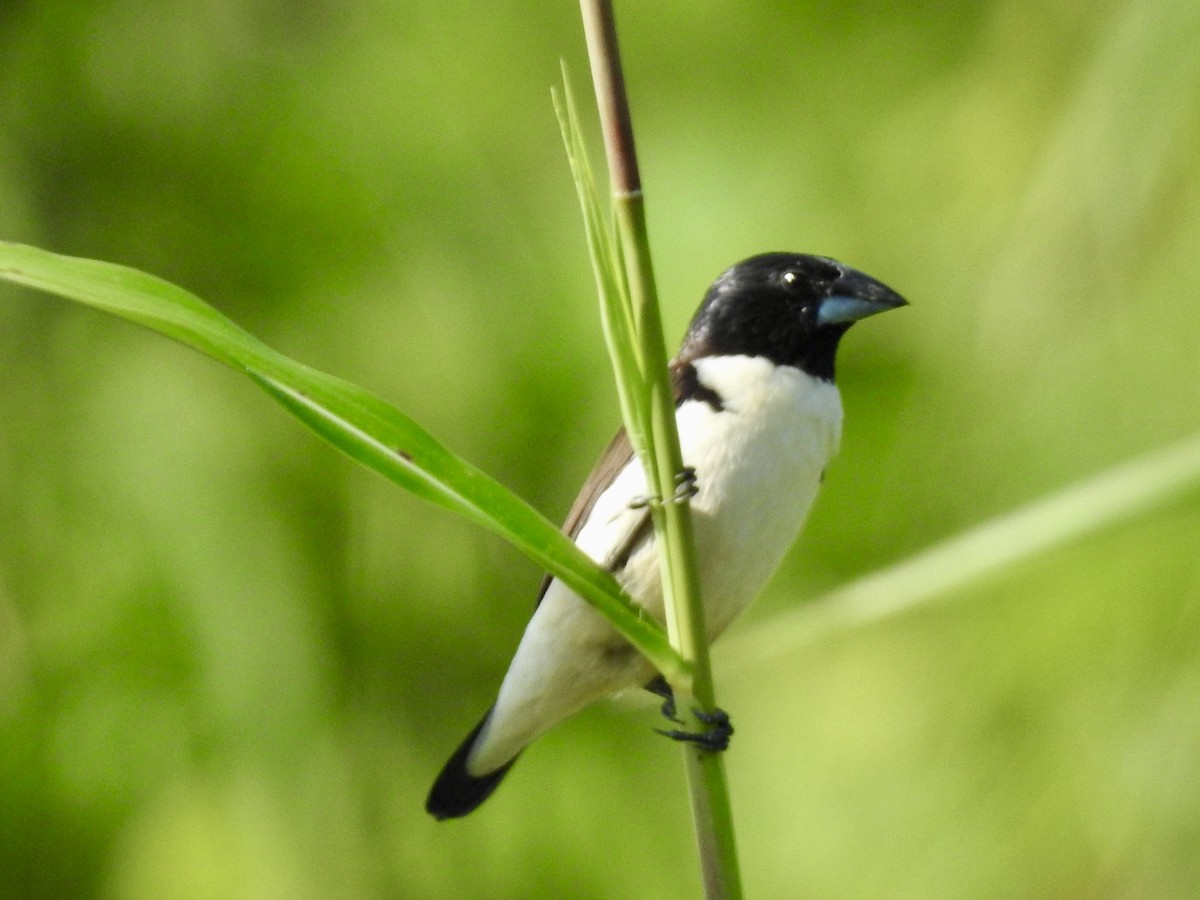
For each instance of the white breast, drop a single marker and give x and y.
(758, 462)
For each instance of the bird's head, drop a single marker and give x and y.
(788, 307)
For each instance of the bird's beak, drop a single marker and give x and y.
(855, 296)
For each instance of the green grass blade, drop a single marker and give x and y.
(354, 420)
(648, 405)
(616, 312)
(941, 572)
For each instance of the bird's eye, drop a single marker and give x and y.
(791, 280)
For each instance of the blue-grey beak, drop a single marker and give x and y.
(855, 296)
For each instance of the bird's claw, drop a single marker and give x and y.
(714, 739)
(685, 484)
(685, 489)
(659, 687)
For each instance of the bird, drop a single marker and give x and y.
(759, 419)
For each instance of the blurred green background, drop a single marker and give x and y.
(231, 662)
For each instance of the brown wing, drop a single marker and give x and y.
(614, 458)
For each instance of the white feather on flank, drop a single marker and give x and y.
(777, 430)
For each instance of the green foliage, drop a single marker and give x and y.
(355, 421)
(230, 663)
(633, 332)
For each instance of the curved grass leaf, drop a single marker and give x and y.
(940, 572)
(354, 420)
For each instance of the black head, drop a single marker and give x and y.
(790, 308)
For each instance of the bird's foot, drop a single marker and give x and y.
(685, 489)
(714, 738)
(685, 485)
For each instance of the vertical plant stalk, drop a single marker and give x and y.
(661, 457)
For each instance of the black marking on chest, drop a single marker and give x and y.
(690, 388)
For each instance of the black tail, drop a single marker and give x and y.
(456, 791)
